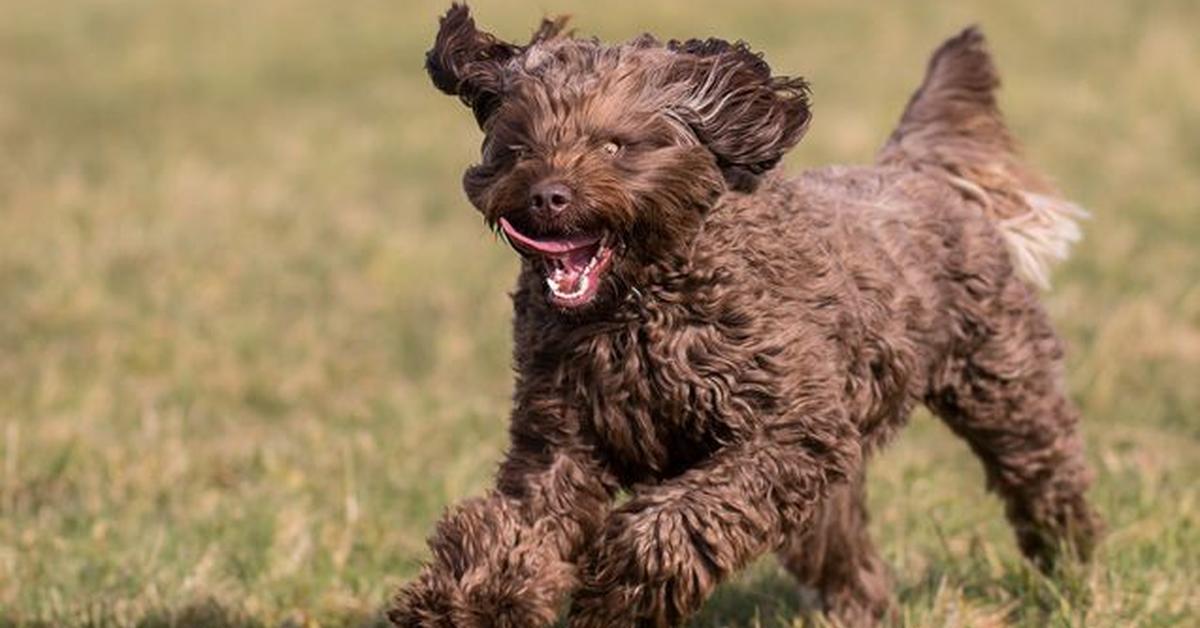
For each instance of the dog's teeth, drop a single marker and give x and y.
(557, 275)
(558, 291)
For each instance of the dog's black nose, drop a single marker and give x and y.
(550, 195)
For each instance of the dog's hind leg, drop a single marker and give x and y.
(834, 555)
(1003, 392)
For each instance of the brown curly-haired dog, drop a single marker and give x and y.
(729, 344)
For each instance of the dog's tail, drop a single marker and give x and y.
(953, 129)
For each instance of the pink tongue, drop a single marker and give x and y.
(557, 247)
(575, 261)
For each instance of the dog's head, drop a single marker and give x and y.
(600, 160)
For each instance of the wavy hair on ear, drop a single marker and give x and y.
(745, 116)
(469, 63)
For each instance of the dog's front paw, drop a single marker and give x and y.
(428, 602)
(509, 596)
(489, 569)
(653, 565)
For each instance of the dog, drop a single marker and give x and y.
(707, 351)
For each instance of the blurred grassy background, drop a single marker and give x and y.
(253, 339)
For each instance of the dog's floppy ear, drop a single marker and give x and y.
(468, 63)
(745, 116)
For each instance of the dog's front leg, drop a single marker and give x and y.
(506, 560)
(662, 553)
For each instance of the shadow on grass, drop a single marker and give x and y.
(764, 598)
(767, 597)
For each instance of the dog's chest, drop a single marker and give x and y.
(659, 398)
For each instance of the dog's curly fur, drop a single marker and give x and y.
(755, 337)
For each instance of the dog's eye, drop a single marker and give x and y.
(611, 147)
(517, 150)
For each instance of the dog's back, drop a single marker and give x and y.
(910, 252)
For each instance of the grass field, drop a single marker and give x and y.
(253, 339)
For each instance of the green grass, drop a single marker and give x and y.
(253, 339)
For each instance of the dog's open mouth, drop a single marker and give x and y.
(573, 264)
